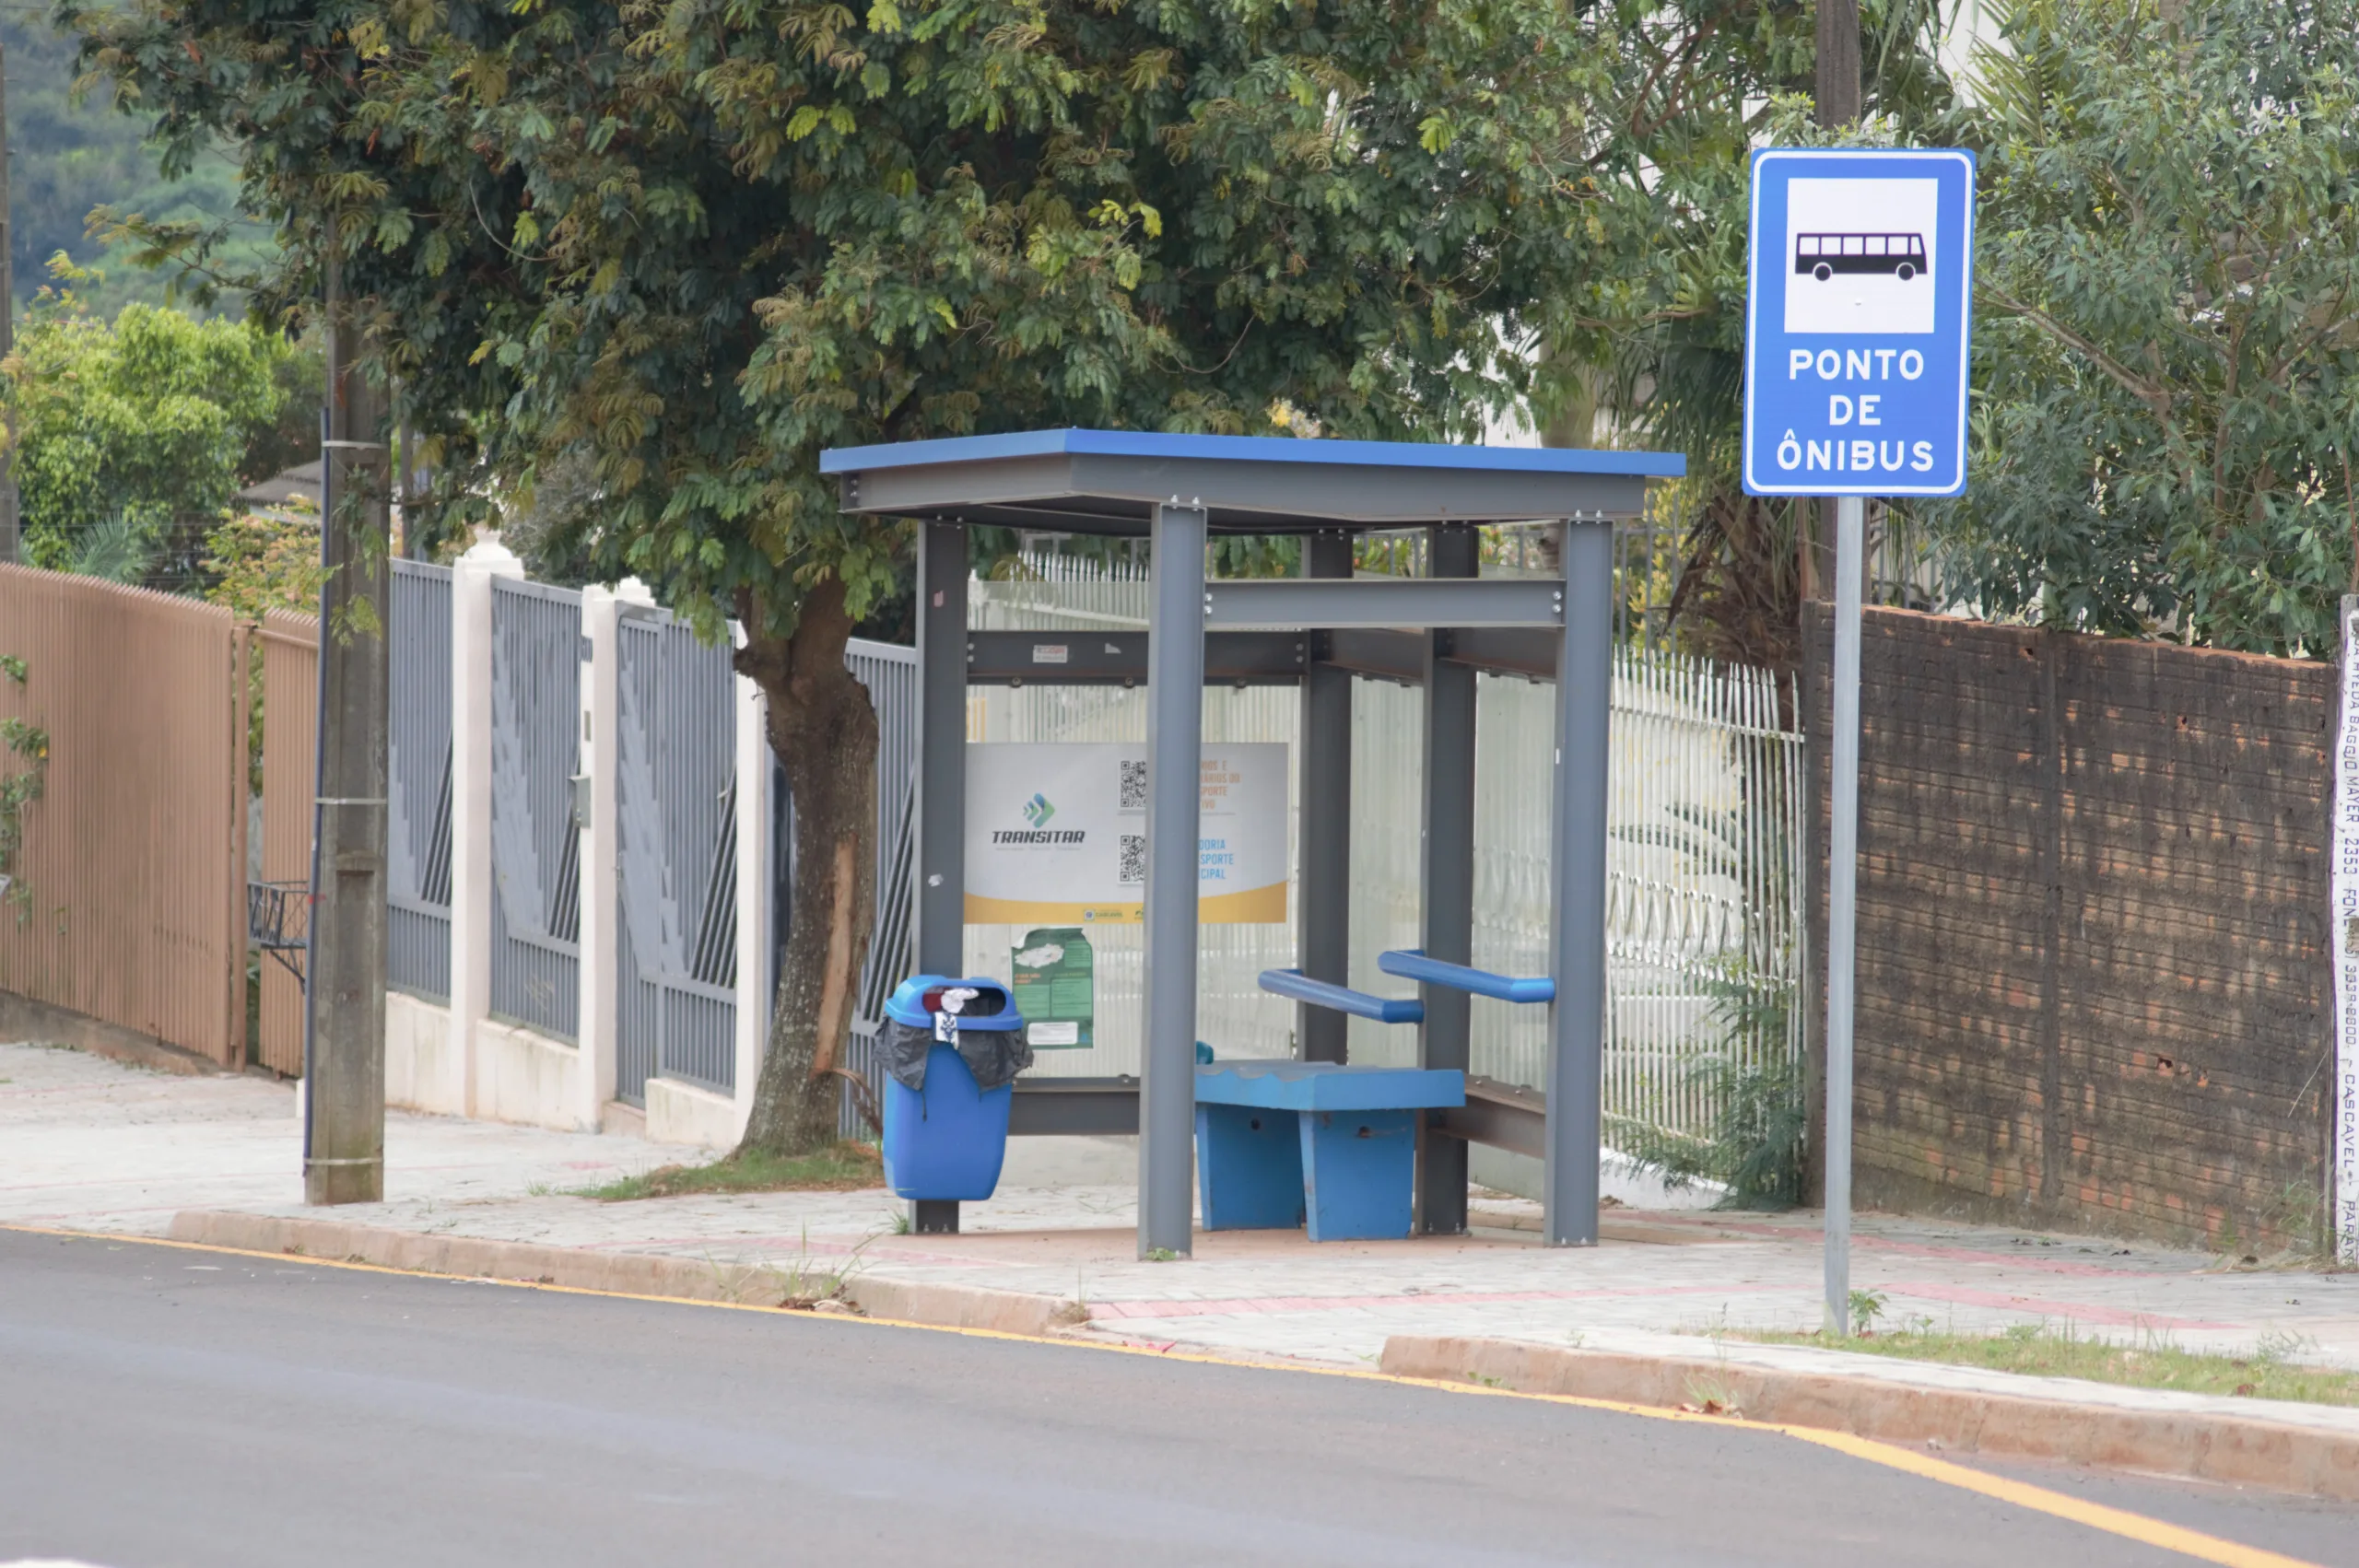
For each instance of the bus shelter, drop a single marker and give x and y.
(1317, 632)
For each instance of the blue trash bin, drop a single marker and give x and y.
(947, 1139)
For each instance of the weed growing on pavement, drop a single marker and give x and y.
(847, 1167)
(2269, 1371)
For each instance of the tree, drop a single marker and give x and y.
(124, 426)
(2167, 345)
(699, 243)
(1671, 312)
(67, 158)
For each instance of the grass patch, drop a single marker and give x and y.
(2266, 1373)
(846, 1168)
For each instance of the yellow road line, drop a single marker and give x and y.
(2023, 1494)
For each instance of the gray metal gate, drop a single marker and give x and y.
(535, 847)
(890, 674)
(675, 813)
(417, 956)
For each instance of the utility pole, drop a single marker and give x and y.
(9, 527)
(344, 1037)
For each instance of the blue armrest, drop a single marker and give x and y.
(1415, 965)
(1342, 999)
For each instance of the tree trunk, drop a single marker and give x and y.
(823, 727)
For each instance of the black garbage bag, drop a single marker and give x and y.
(990, 1034)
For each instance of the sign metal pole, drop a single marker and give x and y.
(1842, 905)
(1858, 314)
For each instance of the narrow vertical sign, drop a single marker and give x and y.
(1859, 308)
(2345, 886)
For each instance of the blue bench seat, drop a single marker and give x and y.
(1331, 1147)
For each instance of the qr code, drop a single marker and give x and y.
(1134, 858)
(1134, 786)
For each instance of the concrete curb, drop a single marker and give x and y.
(2236, 1451)
(629, 1273)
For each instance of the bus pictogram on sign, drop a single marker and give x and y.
(1824, 255)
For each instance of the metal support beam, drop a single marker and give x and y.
(942, 749)
(1120, 659)
(941, 836)
(1507, 651)
(1446, 849)
(1577, 875)
(1321, 1034)
(1060, 1107)
(1381, 655)
(1528, 652)
(1502, 1115)
(1174, 807)
(1280, 603)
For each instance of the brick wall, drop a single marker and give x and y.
(2093, 974)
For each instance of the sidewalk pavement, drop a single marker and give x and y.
(93, 1144)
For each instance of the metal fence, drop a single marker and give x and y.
(675, 812)
(535, 720)
(1705, 917)
(288, 646)
(417, 837)
(128, 900)
(890, 672)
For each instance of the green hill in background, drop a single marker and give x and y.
(67, 159)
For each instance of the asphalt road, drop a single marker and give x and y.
(166, 1407)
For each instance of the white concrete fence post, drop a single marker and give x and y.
(754, 888)
(598, 1028)
(470, 806)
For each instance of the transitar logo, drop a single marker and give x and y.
(1037, 811)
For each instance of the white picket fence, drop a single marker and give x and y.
(1704, 857)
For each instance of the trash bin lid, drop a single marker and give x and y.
(916, 999)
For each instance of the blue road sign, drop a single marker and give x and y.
(1856, 322)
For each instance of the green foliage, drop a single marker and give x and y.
(67, 158)
(123, 427)
(2278, 1367)
(848, 1167)
(2167, 343)
(260, 563)
(1672, 309)
(27, 743)
(1757, 1089)
(118, 549)
(701, 244)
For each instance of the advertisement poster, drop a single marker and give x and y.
(1056, 834)
(1056, 988)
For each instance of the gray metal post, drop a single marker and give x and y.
(942, 749)
(1321, 1034)
(1446, 855)
(941, 845)
(344, 1037)
(1842, 883)
(1577, 871)
(1174, 728)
